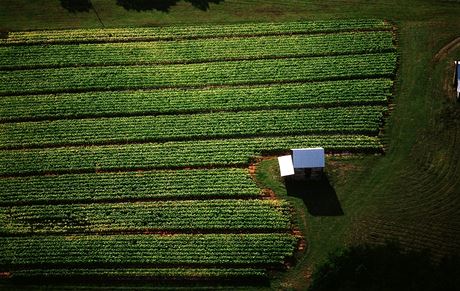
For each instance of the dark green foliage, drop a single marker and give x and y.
(194, 50)
(159, 250)
(140, 102)
(343, 120)
(129, 186)
(203, 153)
(72, 79)
(190, 32)
(77, 104)
(188, 215)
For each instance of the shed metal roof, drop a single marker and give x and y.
(458, 75)
(308, 158)
(286, 166)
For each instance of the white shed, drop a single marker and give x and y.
(308, 162)
(457, 78)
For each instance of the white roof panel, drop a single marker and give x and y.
(308, 158)
(286, 167)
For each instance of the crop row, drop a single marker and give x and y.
(345, 92)
(362, 119)
(129, 186)
(204, 153)
(187, 215)
(173, 250)
(189, 32)
(137, 273)
(192, 51)
(201, 74)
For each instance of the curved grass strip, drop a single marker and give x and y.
(159, 250)
(362, 119)
(129, 186)
(206, 153)
(188, 215)
(203, 74)
(181, 32)
(192, 51)
(168, 101)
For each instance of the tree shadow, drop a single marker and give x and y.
(162, 5)
(318, 195)
(386, 267)
(203, 4)
(3, 33)
(75, 6)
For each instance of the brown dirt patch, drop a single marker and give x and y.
(447, 49)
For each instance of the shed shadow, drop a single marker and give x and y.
(318, 195)
(163, 5)
(75, 6)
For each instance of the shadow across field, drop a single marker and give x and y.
(386, 267)
(75, 6)
(163, 5)
(319, 196)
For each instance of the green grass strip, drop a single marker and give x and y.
(187, 215)
(123, 186)
(216, 249)
(202, 74)
(180, 32)
(204, 153)
(347, 92)
(191, 51)
(362, 119)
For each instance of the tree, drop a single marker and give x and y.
(387, 267)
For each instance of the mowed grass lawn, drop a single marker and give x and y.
(409, 194)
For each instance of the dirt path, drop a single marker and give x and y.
(447, 49)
